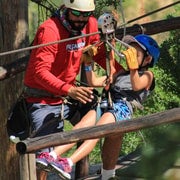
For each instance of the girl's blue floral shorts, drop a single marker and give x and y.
(120, 110)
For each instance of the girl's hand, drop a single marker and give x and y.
(131, 58)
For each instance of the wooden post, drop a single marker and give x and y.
(151, 28)
(13, 35)
(32, 166)
(27, 167)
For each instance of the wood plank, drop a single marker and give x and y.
(32, 167)
(24, 167)
(34, 144)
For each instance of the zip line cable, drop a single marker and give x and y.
(47, 44)
(150, 13)
(85, 35)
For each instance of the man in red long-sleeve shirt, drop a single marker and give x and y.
(54, 68)
(51, 72)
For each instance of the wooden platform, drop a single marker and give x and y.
(130, 168)
(135, 167)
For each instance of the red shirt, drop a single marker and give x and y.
(54, 68)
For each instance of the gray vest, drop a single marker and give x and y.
(122, 89)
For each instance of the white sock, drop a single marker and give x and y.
(53, 154)
(106, 174)
(70, 162)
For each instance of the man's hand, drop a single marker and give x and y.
(82, 94)
(131, 58)
(88, 52)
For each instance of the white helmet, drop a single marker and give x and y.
(80, 5)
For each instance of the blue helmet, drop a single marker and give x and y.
(150, 45)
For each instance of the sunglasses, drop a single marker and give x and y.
(79, 13)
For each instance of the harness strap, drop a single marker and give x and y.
(62, 111)
(39, 93)
(33, 92)
(135, 104)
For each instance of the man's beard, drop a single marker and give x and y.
(80, 26)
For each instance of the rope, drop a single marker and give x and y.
(47, 44)
(115, 50)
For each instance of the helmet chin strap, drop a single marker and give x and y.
(146, 66)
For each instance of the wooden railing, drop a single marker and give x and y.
(30, 146)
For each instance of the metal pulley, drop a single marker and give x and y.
(107, 25)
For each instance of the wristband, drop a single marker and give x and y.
(88, 68)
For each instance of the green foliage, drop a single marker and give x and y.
(161, 150)
(38, 12)
(170, 53)
(131, 141)
(104, 5)
(167, 75)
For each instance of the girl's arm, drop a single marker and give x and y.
(93, 79)
(141, 82)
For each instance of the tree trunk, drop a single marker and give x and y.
(13, 35)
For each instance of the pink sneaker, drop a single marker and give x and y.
(61, 167)
(43, 160)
